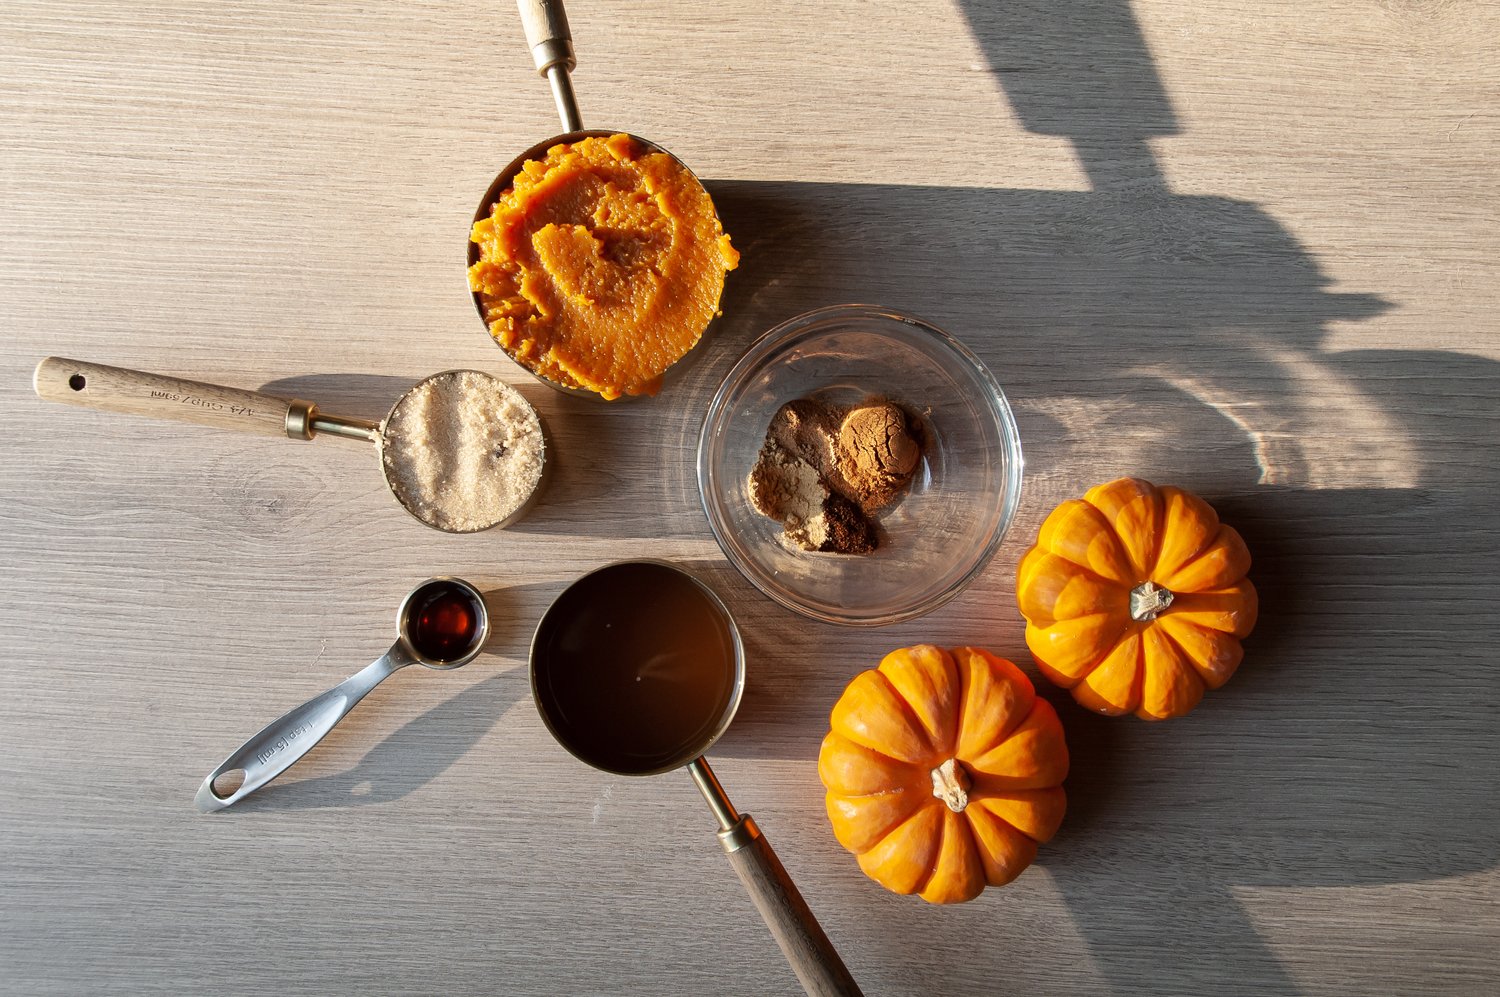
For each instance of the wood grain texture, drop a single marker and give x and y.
(1245, 248)
(808, 951)
(141, 393)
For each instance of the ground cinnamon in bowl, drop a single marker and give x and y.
(877, 452)
(825, 471)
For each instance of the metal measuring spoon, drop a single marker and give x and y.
(442, 623)
(134, 392)
(637, 668)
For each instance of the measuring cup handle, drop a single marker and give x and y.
(134, 392)
(808, 950)
(546, 25)
(551, 42)
(281, 743)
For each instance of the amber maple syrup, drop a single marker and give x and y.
(635, 665)
(443, 622)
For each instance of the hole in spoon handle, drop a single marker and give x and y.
(227, 784)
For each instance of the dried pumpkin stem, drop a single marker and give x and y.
(950, 783)
(1147, 600)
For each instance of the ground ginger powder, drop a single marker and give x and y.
(601, 265)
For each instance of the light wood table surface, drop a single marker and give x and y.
(1248, 248)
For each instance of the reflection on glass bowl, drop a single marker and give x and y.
(961, 499)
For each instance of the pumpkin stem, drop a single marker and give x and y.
(950, 783)
(1146, 600)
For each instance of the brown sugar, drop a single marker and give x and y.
(601, 265)
(464, 451)
(823, 471)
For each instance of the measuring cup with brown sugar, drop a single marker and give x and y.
(461, 451)
(637, 668)
(596, 258)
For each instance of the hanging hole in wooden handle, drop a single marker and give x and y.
(77, 382)
(226, 784)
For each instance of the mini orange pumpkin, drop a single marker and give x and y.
(943, 771)
(1136, 599)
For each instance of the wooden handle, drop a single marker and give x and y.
(547, 34)
(115, 389)
(808, 950)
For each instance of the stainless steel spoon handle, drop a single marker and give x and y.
(282, 742)
(551, 42)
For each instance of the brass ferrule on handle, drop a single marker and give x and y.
(304, 421)
(299, 419)
(554, 52)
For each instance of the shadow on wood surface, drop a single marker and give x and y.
(1184, 339)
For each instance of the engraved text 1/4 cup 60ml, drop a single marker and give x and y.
(461, 451)
(637, 668)
(442, 624)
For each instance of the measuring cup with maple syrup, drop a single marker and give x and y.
(637, 668)
(442, 624)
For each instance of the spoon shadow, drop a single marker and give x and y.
(428, 745)
(357, 396)
(407, 759)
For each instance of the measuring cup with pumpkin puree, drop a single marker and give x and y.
(596, 258)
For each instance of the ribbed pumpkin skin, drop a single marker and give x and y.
(894, 725)
(1075, 590)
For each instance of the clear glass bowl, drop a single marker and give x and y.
(937, 537)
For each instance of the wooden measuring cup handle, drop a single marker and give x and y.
(807, 949)
(547, 33)
(551, 43)
(134, 392)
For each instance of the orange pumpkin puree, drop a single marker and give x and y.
(601, 265)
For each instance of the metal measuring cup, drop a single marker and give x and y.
(551, 41)
(279, 745)
(134, 392)
(626, 598)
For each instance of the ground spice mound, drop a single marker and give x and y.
(601, 265)
(877, 453)
(463, 451)
(824, 471)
